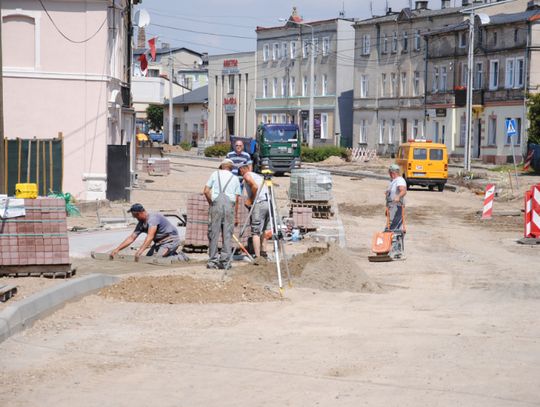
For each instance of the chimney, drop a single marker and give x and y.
(141, 38)
(420, 5)
(445, 4)
(389, 11)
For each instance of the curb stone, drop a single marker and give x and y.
(22, 314)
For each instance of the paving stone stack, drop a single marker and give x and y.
(311, 188)
(302, 218)
(157, 166)
(37, 238)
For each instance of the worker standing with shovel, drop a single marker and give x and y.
(395, 206)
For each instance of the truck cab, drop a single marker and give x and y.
(278, 147)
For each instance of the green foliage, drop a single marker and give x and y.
(316, 154)
(154, 114)
(217, 150)
(533, 113)
(186, 145)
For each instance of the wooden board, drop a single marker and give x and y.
(48, 271)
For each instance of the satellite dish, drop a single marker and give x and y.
(141, 18)
(484, 18)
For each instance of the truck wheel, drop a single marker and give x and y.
(440, 187)
(431, 187)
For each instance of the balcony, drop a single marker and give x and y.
(500, 95)
(456, 97)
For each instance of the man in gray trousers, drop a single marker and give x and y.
(221, 192)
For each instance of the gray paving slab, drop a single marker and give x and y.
(23, 313)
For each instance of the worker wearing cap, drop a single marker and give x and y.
(395, 194)
(257, 192)
(238, 156)
(221, 192)
(159, 232)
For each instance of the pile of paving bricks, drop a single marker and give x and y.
(197, 221)
(157, 166)
(39, 238)
(302, 218)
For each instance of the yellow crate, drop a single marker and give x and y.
(29, 191)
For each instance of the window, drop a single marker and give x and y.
(495, 38)
(284, 86)
(416, 83)
(383, 84)
(516, 35)
(283, 118)
(324, 125)
(325, 46)
(463, 39)
(520, 73)
(478, 75)
(265, 88)
(366, 47)
(274, 118)
(436, 126)
(264, 118)
(415, 129)
(382, 125)
(275, 88)
(305, 86)
(284, 52)
(385, 44)
(405, 42)
(493, 75)
(435, 81)
(464, 71)
(363, 86)
(292, 87)
(417, 39)
(293, 49)
(419, 153)
(462, 125)
(316, 46)
(275, 52)
(392, 132)
(305, 49)
(444, 79)
(509, 77)
(403, 83)
(394, 41)
(492, 131)
(324, 85)
(436, 154)
(517, 137)
(393, 84)
(363, 131)
(231, 84)
(266, 52)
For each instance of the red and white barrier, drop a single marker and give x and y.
(528, 213)
(488, 201)
(535, 211)
(528, 161)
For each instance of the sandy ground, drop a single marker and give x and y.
(453, 324)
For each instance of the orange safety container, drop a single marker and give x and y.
(382, 242)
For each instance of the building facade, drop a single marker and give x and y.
(231, 96)
(190, 114)
(75, 81)
(503, 71)
(284, 76)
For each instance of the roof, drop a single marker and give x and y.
(289, 24)
(197, 96)
(407, 13)
(161, 51)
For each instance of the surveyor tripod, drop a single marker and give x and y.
(276, 226)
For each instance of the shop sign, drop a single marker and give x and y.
(229, 104)
(230, 66)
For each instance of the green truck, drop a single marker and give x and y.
(277, 148)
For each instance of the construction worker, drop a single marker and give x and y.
(260, 215)
(221, 192)
(238, 156)
(395, 194)
(159, 231)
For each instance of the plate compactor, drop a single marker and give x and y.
(389, 245)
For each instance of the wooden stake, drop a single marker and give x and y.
(19, 162)
(44, 169)
(37, 164)
(51, 175)
(28, 161)
(61, 137)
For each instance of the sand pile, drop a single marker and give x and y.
(185, 289)
(362, 210)
(333, 160)
(325, 268)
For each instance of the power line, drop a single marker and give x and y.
(64, 35)
(204, 32)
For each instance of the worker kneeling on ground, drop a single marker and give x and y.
(221, 192)
(159, 231)
(257, 192)
(395, 203)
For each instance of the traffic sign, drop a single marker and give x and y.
(511, 127)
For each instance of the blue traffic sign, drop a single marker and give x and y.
(511, 127)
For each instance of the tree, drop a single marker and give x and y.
(154, 113)
(533, 114)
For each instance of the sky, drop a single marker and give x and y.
(226, 26)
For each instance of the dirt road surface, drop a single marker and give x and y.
(455, 324)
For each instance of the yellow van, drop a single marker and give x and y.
(423, 163)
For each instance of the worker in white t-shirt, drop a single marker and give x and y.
(395, 194)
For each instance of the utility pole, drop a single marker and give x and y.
(468, 111)
(2, 142)
(311, 90)
(171, 73)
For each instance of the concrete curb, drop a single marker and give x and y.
(23, 313)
